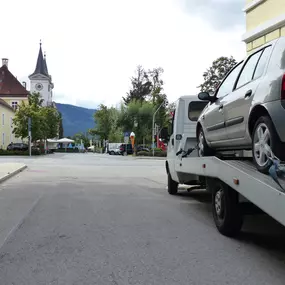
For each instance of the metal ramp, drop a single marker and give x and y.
(258, 188)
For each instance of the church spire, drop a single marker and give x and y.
(41, 67)
(45, 62)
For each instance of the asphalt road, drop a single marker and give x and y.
(95, 219)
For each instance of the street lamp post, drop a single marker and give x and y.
(153, 118)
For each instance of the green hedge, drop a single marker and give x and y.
(69, 150)
(18, 152)
(159, 153)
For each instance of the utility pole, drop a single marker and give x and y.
(153, 119)
(30, 135)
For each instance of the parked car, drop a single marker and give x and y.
(123, 149)
(247, 111)
(18, 146)
(142, 148)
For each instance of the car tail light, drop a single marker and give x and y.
(283, 88)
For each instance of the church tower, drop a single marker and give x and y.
(41, 81)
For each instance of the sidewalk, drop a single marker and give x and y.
(8, 170)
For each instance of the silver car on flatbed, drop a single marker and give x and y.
(247, 111)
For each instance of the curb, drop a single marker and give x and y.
(9, 175)
(150, 158)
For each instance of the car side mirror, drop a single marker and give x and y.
(205, 96)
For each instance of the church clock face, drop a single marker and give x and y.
(39, 86)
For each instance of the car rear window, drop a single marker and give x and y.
(195, 109)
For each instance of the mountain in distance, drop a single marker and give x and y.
(75, 119)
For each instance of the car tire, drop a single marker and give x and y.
(227, 215)
(172, 186)
(264, 138)
(203, 148)
(112, 153)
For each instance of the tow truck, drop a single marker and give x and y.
(232, 178)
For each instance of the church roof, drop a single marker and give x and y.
(41, 67)
(9, 84)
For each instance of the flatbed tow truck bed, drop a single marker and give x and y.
(242, 176)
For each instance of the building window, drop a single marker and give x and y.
(11, 122)
(3, 119)
(15, 105)
(3, 138)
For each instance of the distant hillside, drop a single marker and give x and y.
(75, 119)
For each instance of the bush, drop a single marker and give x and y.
(19, 152)
(69, 150)
(159, 153)
(144, 153)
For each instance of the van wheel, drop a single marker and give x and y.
(172, 185)
(203, 148)
(226, 211)
(265, 139)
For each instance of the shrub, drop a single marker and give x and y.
(144, 153)
(69, 150)
(19, 152)
(156, 153)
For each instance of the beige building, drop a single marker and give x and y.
(265, 21)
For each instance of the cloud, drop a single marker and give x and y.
(220, 14)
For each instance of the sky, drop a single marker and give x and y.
(94, 46)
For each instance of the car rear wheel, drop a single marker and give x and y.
(264, 141)
(203, 148)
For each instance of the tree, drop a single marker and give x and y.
(103, 122)
(30, 110)
(81, 137)
(141, 86)
(137, 117)
(44, 120)
(51, 121)
(60, 131)
(215, 74)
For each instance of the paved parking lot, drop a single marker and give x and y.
(99, 219)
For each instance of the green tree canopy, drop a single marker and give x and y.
(44, 120)
(215, 74)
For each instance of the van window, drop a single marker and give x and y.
(195, 109)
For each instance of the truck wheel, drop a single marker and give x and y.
(203, 148)
(226, 210)
(264, 139)
(172, 185)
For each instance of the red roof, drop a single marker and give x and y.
(9, 84)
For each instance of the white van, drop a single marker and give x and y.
(113, 148)
(183, 136)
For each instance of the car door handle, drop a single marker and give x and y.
(172, 141)
(248, 94)
(221, 107)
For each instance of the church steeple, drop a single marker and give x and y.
(45, 63)
(41, 67)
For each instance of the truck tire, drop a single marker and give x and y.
(172, 186)
(226, 211)
(260, 145)
(203, 148)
